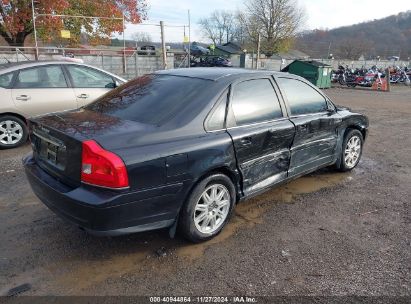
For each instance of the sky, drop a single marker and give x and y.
(319, 14)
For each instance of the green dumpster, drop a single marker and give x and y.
(318, 73)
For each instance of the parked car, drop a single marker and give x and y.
(222, 62)
(147, 50)
(210, 61)
(179, 148)
(198, 50)
(33, 88)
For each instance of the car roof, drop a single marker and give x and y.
(215, 73)
(13, 66)
(29, 63)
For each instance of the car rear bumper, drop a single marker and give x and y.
(106, 212)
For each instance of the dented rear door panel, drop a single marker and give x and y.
(263, 153)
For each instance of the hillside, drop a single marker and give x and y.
(390, 36)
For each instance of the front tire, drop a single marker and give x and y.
(208, 208)
(351, 150)
(13, 132)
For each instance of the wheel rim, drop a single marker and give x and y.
(11, 132)
(352, 152)
(212, 208)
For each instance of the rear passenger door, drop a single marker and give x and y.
(88, 83)
(261, 134)
(42, 89)
(316, 123)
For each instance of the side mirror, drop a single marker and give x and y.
(330, 108)
(113, 85)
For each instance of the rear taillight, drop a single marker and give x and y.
(101, 167)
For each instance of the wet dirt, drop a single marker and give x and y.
(250, 212)
(328, 233)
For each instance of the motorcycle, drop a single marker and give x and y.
(400, 76)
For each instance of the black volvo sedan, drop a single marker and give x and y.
(180, 148)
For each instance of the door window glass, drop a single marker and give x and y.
(5, 80)
(255, 101)
(41, 77)
(84, 77)
(217, 117)
(302, 98)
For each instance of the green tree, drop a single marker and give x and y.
(16, 20)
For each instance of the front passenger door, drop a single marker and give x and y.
(261, 134)
(88, 83)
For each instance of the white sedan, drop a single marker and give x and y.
(39, 87)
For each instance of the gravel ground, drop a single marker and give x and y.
(326, 234)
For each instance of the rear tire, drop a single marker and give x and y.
(351, 150)
(208, 208)
(13, 132)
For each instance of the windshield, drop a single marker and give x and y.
(152, 99)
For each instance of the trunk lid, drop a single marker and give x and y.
(57, 139)
(56, 153)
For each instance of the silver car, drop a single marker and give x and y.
(39, 87)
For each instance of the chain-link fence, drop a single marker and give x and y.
(128, 64)
(133, 62)
(128, 53)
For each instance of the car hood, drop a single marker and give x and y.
(342, 108)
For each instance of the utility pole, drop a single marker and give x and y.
(136, 60)
(329, 51)
(189, 40)
(36, 54)
(124, 42)
(258, 51)
(163, 45)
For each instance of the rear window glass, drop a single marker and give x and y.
(153, 99)
(216, 118)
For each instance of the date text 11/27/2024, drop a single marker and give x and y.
(204, 299)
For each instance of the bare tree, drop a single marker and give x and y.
(352, 48)
(141, 37)
(220, 27)
(277, 22)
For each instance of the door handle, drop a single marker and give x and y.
(23, 97)
(83, 96)
(303, 127)
(246, 141)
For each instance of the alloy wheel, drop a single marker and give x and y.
(212, 208)
(11, 132)
(352, 152)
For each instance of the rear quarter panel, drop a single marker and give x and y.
(181, 161)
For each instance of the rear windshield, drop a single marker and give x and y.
(152, 99)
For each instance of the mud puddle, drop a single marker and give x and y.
(77, 275)
(251, 211)
(82, 277)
